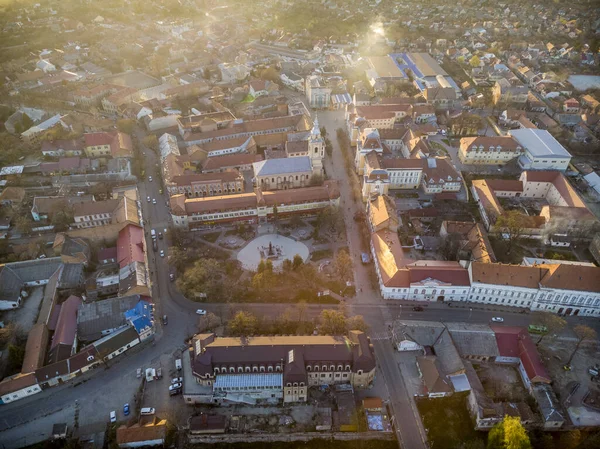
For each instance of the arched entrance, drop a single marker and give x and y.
(568, 311)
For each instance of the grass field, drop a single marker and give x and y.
(447, 421)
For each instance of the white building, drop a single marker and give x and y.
(542, 151)
(317, 93)
(167, 144)
(233, 73)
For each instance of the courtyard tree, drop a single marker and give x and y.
(511, 225)
(342, 265)
(552, 322)
(208, 322)
(508, 434)
(301, 308)
(62, 219)
(475, 61)
(23, 224)
(126, 125)
(332, 322)
(243, 324)
(584, 333)
(332, 220)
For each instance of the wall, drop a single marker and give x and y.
(307, 436)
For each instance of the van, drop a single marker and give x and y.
(147, 411)
(178, 364)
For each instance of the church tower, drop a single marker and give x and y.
(316, 148)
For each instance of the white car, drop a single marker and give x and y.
(153, 200)
(162, 253)
(200, 312)
(149, 199)
(176, 386)
(150, 178)
(498, 319)
(147, 411)
(113, 416)
(177, 380)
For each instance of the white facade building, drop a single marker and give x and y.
(542, 150)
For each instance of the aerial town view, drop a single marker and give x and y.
(286, 224)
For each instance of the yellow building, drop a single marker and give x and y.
(484, 150)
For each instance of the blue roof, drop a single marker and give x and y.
(140, 316)
(281, 166)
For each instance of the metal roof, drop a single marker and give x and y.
(264, 380)
(539, 142)
(282, 166)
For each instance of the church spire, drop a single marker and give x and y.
(316, 131)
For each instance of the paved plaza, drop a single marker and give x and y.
(281, 248)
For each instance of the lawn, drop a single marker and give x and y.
(321, 254)
(212, 237)
(447, 421)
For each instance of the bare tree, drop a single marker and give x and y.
(584, 333)
(511, 225)
(210, 321)
(552, 322)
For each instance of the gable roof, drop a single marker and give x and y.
(130, 245)
(282, 166)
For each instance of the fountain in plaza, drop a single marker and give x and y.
(273, 247)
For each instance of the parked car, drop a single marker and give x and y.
(147, 411)
(200, 312)
(178, 364)
(418, 308)
(176, 380)
(153, 200)
(175, 392)
(162, 253)
(160, 235)
(126, 409)
(159, 373)
(150, 178)
(148, 199)
(139, 373)
(497, 319)
(172, 277)
(113, 416)
(176, 386)
(165, 320)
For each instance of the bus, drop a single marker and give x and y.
(537, 329)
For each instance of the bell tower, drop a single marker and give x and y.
(316, 148)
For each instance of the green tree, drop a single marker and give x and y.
(269, 74)
(243, 324)
(342, 265)
(205, 276)
(474, 61)
(584, 333)
(16, 354)
(27, 122)
(508, 434)
(332, 322)
(553, 323)
(287, 265)
(126, 125)
(570, 439)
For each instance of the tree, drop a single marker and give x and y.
(301, 307)
(508, 434)
(342, 265)
(27, 122)
(331, 219)
(210, 321)
(511, 225)
(275, 217)
(61, 220)
(205, 276)
(584, 333)
(450, 246)
(23, 224)
(475, 61)
(151, 141)
(356, 323)
(333, 322)
(323, 131)
(553, 323)
(570, 439)
(269, 74)
(126, 125)
(243, 324)
(297, 262)
(287, 265)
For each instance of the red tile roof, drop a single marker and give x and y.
(66, 325)
(130, 245)
(515, 342)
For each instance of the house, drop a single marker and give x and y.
(473, 240)
(256, 207)
(318, 92)
(243, 370)
(131, 257)
(34, 134)
(571, 106)
(71, 250)
(258, 88)
(100, 318)
(148, 431)
(64, 341)
(436, 384)
(12, 196)
(241, 162)
(58, 148)
(382, 214)
(511, 91)
(486, 150)
(114, 344)
(30, 273)
(541, 151)
(108, 145)
(18, 386)
(292, 80)
(228, 182)
(439, 175)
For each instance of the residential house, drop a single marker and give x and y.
(149, 431)
(12, 196)
(510, 92)
(64, 340)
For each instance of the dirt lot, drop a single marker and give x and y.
(501, 382)
(555, 354)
